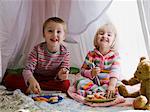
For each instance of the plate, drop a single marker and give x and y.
(46, 98)
(99, 100)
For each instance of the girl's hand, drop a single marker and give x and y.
(111, 88)
(110, 92)
(34, 86)
(95, 71)
(63, 74)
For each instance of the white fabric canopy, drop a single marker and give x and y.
(144, 11)
(21, 27)
(21, 24)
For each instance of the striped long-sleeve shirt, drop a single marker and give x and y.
(45, 63)
(109, 62)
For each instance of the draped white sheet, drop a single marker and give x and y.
(125, 16)
(144, 12)
(21, 25)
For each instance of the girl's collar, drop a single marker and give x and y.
(109, 53)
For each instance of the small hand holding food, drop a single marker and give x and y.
(34, 86)
(95, 71)
(63, 74)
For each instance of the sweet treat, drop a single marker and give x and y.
(53, 99)
(90, 96)
(41, 99)
(96, 96)
(99, 96)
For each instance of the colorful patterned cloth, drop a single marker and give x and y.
(86, 86)
(109, 63)
(44, 63)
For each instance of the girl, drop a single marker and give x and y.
(102, 64)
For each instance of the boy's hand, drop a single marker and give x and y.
(34, 86)
(63, 74)
(95, 71)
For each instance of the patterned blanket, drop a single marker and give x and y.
(16, 101)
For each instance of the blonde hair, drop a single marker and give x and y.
(56, 20)
(112, 27)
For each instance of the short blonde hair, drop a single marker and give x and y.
(112, 27)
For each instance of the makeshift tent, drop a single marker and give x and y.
(21, 28)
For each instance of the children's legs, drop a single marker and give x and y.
(52, 84)
(14, 81)
(55, 85)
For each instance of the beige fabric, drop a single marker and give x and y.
(13, 101)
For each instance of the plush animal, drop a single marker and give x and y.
(141, 103)
(142, 76)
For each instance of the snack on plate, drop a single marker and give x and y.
(53, 99)
(97, 98)
(90, 96)
(41, 99)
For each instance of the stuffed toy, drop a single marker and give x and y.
(142, 76)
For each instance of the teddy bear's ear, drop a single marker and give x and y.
(142, 58)
(146, 66)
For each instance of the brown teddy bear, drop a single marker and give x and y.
(142, 76)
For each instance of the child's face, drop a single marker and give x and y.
(105, 37)
(54, 34)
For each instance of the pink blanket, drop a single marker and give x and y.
(120, 101)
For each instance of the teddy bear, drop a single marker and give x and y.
(142, 76)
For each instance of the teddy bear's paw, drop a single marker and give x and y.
(125, 82)
(147, 107)
(140, 102)
(123, 91)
